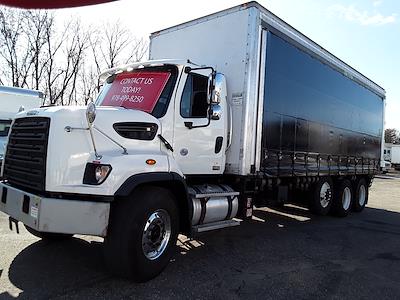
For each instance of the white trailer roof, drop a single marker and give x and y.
(13, 98)
(20, 91)
(275, 24)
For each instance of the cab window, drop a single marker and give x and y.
(194, 98)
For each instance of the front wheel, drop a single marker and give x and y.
(142, 234)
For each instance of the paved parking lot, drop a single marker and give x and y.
(279, 254)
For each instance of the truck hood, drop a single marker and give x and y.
(74, 117)
(73, 112)
(70, 150)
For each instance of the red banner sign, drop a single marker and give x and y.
(136, 90)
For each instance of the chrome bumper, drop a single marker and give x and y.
(55, 215)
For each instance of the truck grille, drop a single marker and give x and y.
(25, 159)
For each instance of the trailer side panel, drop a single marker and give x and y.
(315, 119)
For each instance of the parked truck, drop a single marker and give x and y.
(395, 156)
(252, 112)
(12, 101)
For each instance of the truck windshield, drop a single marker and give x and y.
(147, 89)
(4, 127)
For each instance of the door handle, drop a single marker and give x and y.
(218, 144)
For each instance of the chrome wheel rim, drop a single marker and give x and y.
(346, 198)
(325, 195)
(361, 195)
(156, 234)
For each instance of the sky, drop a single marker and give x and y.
(363, 33)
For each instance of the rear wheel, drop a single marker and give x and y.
(361, 195)
(343, 198)
(48, 236)
(142, 235)
(321, 200)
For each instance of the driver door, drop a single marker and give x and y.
(197, 150)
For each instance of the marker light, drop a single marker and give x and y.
(150, 162)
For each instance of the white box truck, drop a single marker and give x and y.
(12, 101)
(395, 156)
(233, 110)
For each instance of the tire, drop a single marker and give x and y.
(321, 198)
(49, 236)
(360, 195)
(343, 198)
(138, 226)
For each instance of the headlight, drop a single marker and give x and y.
(101, 173)
(96, 174)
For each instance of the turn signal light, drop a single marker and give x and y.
(150, 162)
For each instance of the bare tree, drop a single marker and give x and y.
(392, 136)
(38, 23)
(64, 64)
(89, 83)
(11, 22)
(139, 49)
(51, 72)
(114, 45)
(74, 53)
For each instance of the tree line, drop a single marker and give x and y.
(61, 60)
(392, 135)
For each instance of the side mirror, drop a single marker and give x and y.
(216, 112)
(219, 83)
(91, 113)
(210, 86)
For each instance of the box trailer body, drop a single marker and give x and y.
(296, 108)
(387, 149)
(12, 101)
(233, 111)
(395, 156)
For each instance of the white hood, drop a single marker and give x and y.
(69, 152)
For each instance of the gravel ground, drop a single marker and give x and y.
(280, 254)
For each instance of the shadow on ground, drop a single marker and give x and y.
(281, 253)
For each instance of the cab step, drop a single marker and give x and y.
(214, 226)
(205, 191)
(217, 194)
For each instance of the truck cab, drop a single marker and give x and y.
(153, 124)
(190, 110)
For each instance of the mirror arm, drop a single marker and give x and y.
(124, 150)
(96, 154)
(189, 125)
(189, 69)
